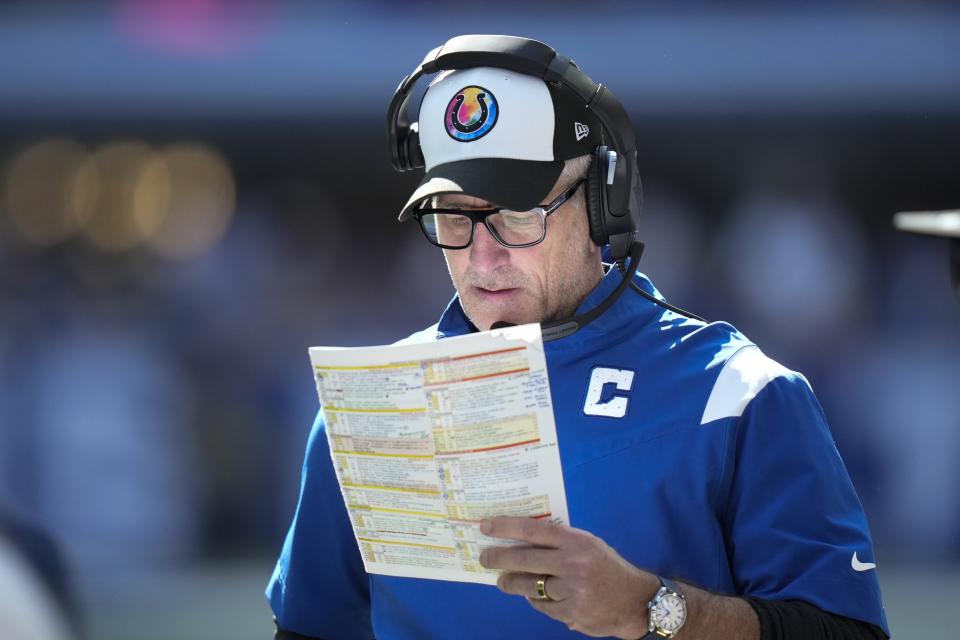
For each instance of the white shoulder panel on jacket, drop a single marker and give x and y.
(744, 375)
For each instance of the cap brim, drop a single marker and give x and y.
(515, 184)
(945, 224)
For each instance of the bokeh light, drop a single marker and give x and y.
(176, 201)
(46, 194)
(183, 200)
(114, 169)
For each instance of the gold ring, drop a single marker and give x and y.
(542, 589)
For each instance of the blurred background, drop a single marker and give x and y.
(194, 192)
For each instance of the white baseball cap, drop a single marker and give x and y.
(499, 135)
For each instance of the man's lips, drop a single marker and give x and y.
(494, 294)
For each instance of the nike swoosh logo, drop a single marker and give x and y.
(861, 566)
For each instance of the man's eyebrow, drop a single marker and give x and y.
(446, 201)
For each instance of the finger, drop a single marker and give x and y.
(557, 610)
(523, 558)
(532, 530)
(525, 584)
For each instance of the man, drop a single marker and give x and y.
(706, 497)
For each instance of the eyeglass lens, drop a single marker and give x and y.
(455, 230)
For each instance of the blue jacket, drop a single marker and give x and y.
(683, 447)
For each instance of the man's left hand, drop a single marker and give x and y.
(591, 588)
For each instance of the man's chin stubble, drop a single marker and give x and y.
(474, 310)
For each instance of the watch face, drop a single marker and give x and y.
(669, 612)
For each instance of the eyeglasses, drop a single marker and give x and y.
(453, 228)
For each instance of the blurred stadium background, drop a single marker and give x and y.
(193, 192)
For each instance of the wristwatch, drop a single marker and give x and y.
(666, 612)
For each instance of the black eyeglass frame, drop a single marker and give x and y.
(481, 215)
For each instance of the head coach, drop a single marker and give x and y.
(706, 493)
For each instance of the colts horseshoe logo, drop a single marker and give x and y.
(470, 114)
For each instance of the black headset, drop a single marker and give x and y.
(614, 194)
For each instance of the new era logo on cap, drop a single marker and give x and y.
(580, 130)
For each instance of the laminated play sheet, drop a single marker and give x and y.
(428, 439)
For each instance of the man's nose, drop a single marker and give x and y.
(486, 254)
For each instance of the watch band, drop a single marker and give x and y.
(669, 584)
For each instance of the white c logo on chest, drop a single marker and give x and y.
(615, 407)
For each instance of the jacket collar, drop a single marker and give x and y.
(630, 307)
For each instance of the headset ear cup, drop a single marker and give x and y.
(594, 196)
(414, 155)
(400, 162)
